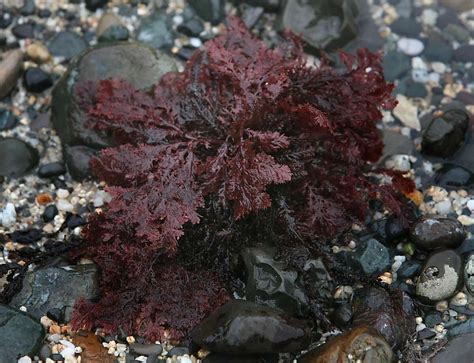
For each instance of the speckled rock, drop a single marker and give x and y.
(57, 287)
(363, 343)
(469, 274)
(432, 232)
(20, 335)
(241, 327)
(441, 277)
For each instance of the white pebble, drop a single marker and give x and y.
(195, 42)
(418, 320)
(64, 205)
(470, 205)
(63, 193)
(410, 46)
(100, 198)
(8, 216)
(418, 63)
(438, 67)
(185, 360)
(443, 207)
(420, 327)
(465, 220)
(67, 352)
(24, 359)
(420, 75)
(67, 343)
(429, 16)
(23, 308)
(398, 162)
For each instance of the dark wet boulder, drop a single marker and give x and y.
(363, 343)
(453, 177)
(326, 24)
(445, 134)
(57, 287)
(138, 64)
(441, 277)
(16, 157)
(242, 327)
(269, 284)
(391, 314)
(433, 232)
(20, 335)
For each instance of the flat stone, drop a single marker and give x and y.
(407, 113)
(408, 27)
(155, 31)
(458, 5)
(458, 350)
(453, 177)
(441, 277)
(10, 70)
(241, 327)
(445, 134)
(465, 53)
(16, 157)
(363, 343)
(322, 24)
(209, 10)
(20, 335)
(438, 49)
(57, 287)
(433, 232)
(67, 44)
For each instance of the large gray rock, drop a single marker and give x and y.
(138, 64)
(19, 335)
(57, 287)
(10, 70)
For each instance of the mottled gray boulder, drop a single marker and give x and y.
(19, 335)
(57, 287)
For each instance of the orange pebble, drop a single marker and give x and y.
(416, 196)
(44, 198)
(54, 329)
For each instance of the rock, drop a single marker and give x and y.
(319, 278)
(445, 134)
(322, 24)
(146, 349)
(410, 46)
(10, 70)
(44, 352)
(23, 31)
(458, 5)
(20, 335)
(51, 170)
(464, 54)
(47, 288)
(362, 343)
(77, 159)
(441, 277)
(395, 65)
(342, 315)
(453, 177)
(251, 15)
(8, 216)
(432, 232)
(438, 49)
(16, 158)
(92, 349)
(111, 29)
(457, 33)
(6, 18)
(392, 315)
(93, 5)
(269, 284)
(242, 327)
(209, 10)
(139, 65)
(407, 113)
(407, 27)
(155, 31)
(50, 212)
(192, 27)
(396, 143)
(465, 97)
(7, 120)
(56, 315)
(370, 256)
(457, 350)
(469, 274)
(409, 269)
(36, 80)
(38, 53)
(466, 327)
(411, 88)
(67, 45)
(398, 162)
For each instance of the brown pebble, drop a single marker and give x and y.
(55, 329)
(44, 198)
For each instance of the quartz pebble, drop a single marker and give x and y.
(8, 216)
(410, 46)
